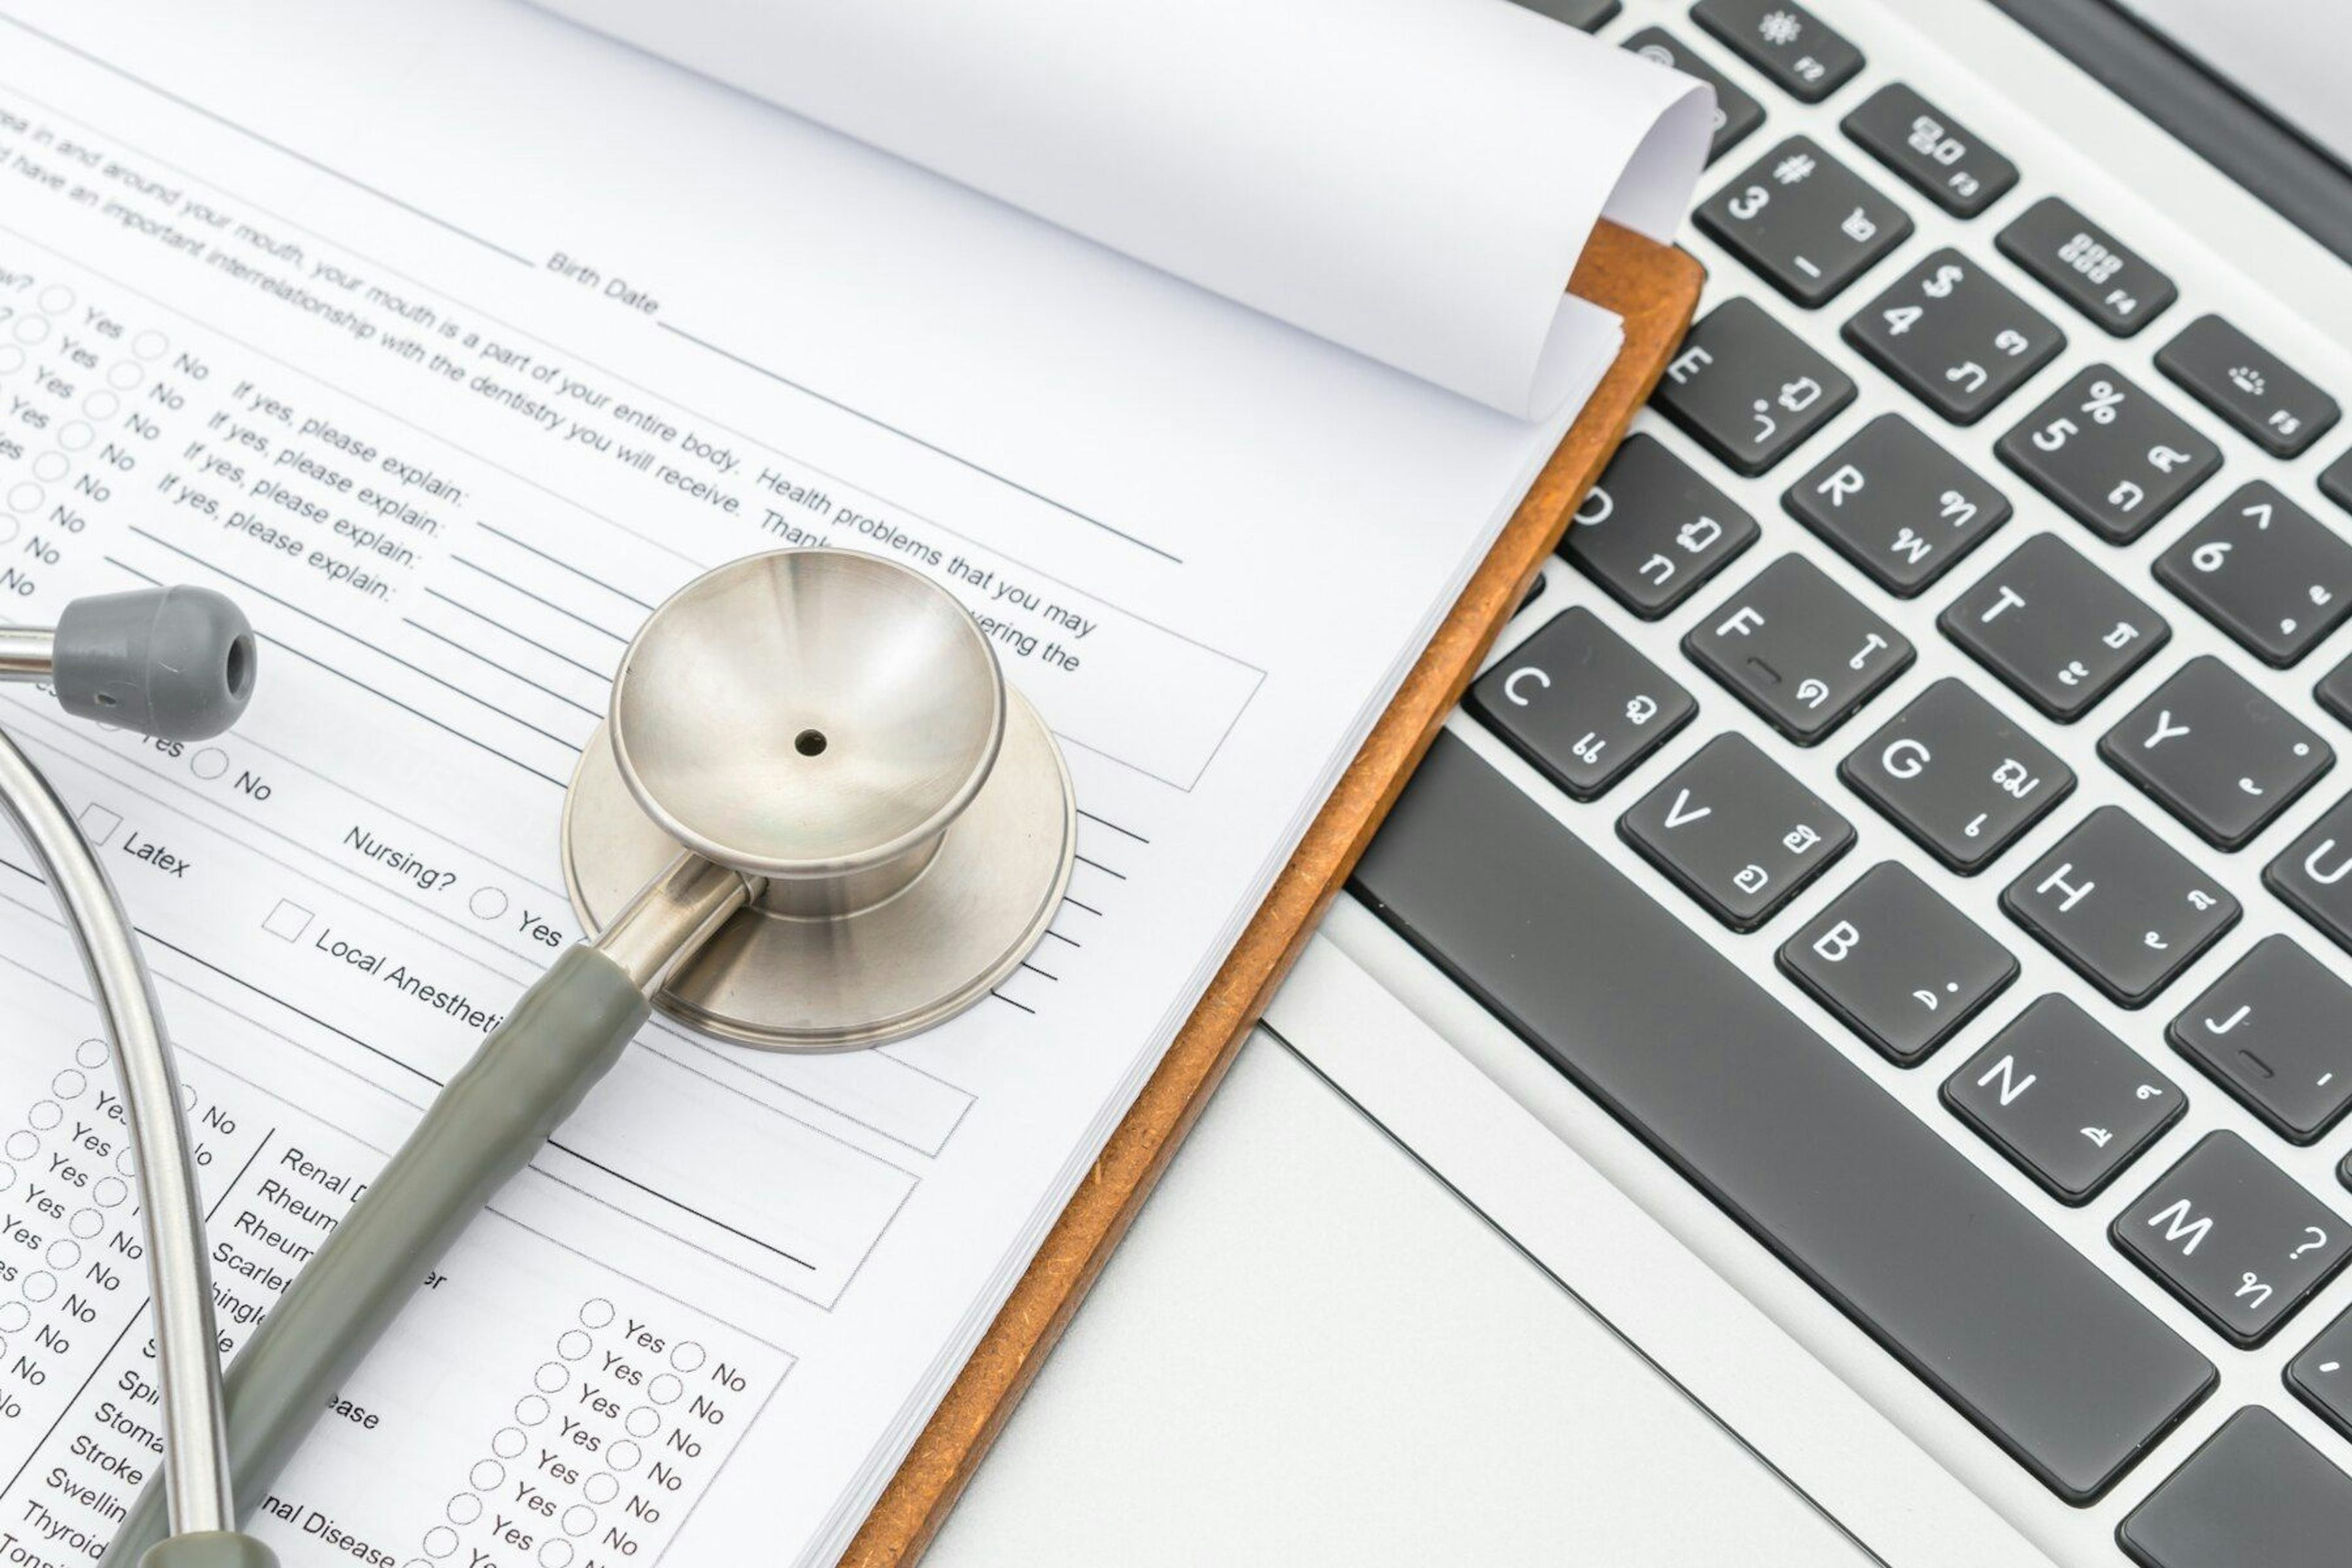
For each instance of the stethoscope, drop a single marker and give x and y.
(816, 818)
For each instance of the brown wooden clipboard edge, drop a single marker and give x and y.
(1654, 289)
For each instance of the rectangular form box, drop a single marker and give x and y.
(97, 824)
(287, 921)
(1138, 693)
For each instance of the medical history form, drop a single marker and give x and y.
(449, 339)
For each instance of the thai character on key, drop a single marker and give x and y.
(2012, 776)
(1696, 535)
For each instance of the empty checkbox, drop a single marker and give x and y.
(289, 921)
(97, 824)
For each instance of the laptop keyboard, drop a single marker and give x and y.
(1942, 876)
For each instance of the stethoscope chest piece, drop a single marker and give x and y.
(835, 728)
(816, 816)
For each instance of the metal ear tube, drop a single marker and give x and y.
(816, 818)
(177, 663)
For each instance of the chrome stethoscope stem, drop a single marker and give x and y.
(196, 1452)
(27, 653)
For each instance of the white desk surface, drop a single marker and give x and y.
(1309, 1351)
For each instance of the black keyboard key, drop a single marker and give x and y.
(1747, 389)
(1736, 832)
(1897, 505)
(2242, 1243)
(2335, 691)
(1798, 649)
(2058, 629)
(2120, 906)
(2112, 456)
(2322, 1375)
(1957, 339)
(1651, 531)
(2086, 266)
(1737, 113)
(1896, 965)
(2265, 571)
(1804, 221)
(2313, 875)
(2253, 1496)
(1941, 159)
(2070, 1104)
(2336, 481)
(1956, 776)
(2271, 404)
(1788, 43)
(2271, 1031)
(1576, 700)
(2215, 753)
(1582, 15)
(1895, 1225)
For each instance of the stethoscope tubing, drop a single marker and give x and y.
(229, 1437)
(195, 1468)
(488, 1122)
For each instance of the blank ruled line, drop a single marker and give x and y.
(889, 1053)
(1099, 866)
(494, 664)
(1034, 970)
(568, 566)
(1058, 936)
(806, 391)
(726, 1059)
(489, 620)
(1114, 826)
(478, 701)
(707, 1218)
(1008, 1001)
(372, 647)
(1080, 903)
(337, 670)
(474, 740)
(539, 599)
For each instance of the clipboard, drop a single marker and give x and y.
(1655, 289)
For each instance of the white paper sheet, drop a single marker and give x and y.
(1413, 179)
(449, 339)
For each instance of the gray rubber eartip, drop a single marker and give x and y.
(175, 663)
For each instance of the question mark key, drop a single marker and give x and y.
(2243, 1245)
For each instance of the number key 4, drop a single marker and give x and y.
(1959, 341)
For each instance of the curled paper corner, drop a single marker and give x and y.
(1411, 179)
